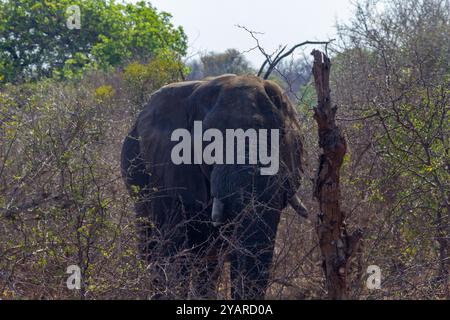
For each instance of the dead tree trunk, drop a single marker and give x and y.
(335, 244)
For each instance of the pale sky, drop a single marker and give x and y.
(211, 24)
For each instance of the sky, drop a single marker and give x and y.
(211, 24)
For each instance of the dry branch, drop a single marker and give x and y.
(270, 61)
(281, 55)
(336, 245)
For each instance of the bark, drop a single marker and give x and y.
(336, 245)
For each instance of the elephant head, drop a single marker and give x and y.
(259, 106)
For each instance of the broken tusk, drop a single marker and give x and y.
(298, 206)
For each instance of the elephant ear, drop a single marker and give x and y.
(275, 94)
(169, 109)
(291, 145)
(292, 139)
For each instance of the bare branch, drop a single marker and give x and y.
(279, 57)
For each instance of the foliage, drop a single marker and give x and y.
(62, 199)
(215, 64)
(392, 85)
(142, 79)
(35, 41)
(292, 76)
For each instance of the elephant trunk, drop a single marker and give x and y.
(217, 212)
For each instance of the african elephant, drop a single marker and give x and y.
(200, 210)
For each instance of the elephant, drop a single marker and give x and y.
(194, 216)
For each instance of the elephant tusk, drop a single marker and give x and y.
(298, 206)
(217, 212)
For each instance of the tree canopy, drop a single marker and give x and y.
(35, 41)
(214, 64)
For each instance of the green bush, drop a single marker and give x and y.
(35, 41)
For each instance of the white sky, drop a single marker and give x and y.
(210, 24)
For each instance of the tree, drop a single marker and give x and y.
(35, 41)
(392, 80)
(142, 79)
(336, 244)
(293, 75)
(215, 64)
